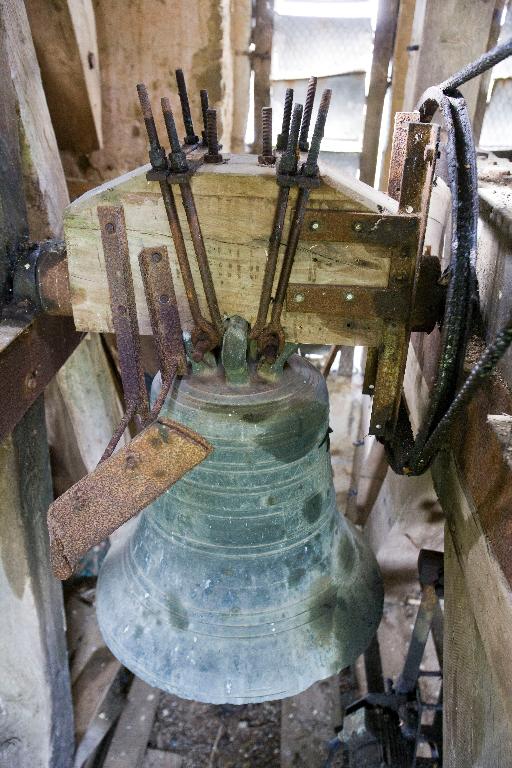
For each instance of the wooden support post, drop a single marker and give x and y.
(382, 52)
(261, 59)
(36, 721)
(446, 35)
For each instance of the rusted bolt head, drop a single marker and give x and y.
(110, 228)
(156, 257)
(357, 226)
(121, 309)
(164, 298)
(349, 296)
(131, 461)
(31, 380)
(315, 225)
(299, 298)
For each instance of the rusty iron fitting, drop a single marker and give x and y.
(41, 278)
(287, 165)
(213, 155)
(310, 167)
(306, 116)
(204, 109)
(282, 139)
(157, 156)
(177, 158)
(267, 156)
(190, 135)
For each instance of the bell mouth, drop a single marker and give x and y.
(243, 583)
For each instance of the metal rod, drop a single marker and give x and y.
(272, 256)
(204, 109)
(311, 165)
(177, 158)
(306, 117)
(156, 151)
(190, 137)
(282, 139)
(289, 254)
(213, 155)
(202, 258)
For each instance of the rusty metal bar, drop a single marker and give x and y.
(31, 353)
(350, 301)
(124, 312)
(355, 227)
(119, 488)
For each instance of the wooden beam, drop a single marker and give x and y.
(37, 727)
(263, 31)
(64, 36)
(398, 78)
(236, 204)
(132, 732)
(36, 718)
(446, 35)
(382, 52)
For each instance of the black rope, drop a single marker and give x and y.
(406, 454)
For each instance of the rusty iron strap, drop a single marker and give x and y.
(31, 352)
(124, 311)
(355, 227)
(119, 488)
(164, 317)
(350, 301)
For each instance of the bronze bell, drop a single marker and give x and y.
(243, 583)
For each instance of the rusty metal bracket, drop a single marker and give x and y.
(119, 488)
(356, 227)
(124, 312)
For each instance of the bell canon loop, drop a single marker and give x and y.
(243, 583)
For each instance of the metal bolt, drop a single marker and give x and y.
(315, 225)
(204, 109)
(157, 156)
(289, 158)
(282, 139)
(378, 426)
(164, 298)
(267, 157)
(306, 117)
(190, 137)
(349, 296)
(310, 167)
(358, 227)
(213, 155)
(156, 257)
(299, 298)
(110, 228)
(177, 158)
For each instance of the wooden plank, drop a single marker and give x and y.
(36, 719)
(382, 51)
(131, 736)
(398, 78)
(158, 758)
(65, 40)
(235, 202)
(36, 715)
(446, 35)
(476, 724)
(43, 183)
(308, 722)
(261, 58)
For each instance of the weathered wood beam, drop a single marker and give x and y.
(261, 60)
(382, 53)
(64, 36)
(446, 35)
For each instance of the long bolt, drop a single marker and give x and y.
(267, 157)
(177, 158)
(157, 156)
(202, 258)
(289, 255)
(282, 139)
(290, 157)
(306, 117)
(190, 137)
(310, 167)
(204, 109)
(213, 155)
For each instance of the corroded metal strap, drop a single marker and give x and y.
(124, 312)
(119, 488)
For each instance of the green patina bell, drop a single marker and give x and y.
(243, 583)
